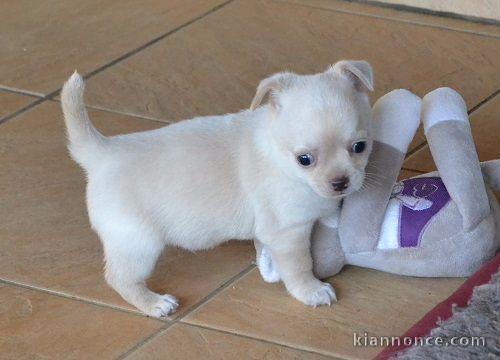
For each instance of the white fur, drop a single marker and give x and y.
(201, 182)
(267, 267)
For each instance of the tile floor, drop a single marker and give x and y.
(155, 62)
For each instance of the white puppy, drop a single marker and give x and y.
(266, 173)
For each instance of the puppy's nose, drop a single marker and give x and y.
(341, 183)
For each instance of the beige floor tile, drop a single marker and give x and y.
(36, 325)
(483, 9)
(214, 65)
(398, 15)
(370, 301)
(405, 174)
(45, 237)
(10, 102)
(43, 42)
(189, 342)
(485, 129)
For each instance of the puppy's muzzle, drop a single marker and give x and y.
(340, 184)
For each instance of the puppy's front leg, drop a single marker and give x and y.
(290, 249)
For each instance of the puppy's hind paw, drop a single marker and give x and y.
(267, 267)
(163, 306)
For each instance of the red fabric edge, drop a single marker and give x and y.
(443, 310)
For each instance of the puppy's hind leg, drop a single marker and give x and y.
(131, 255)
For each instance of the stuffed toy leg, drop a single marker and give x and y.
(444, 223)
(436, 224)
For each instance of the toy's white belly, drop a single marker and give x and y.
(389, 234)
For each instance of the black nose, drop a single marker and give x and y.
(340, 184)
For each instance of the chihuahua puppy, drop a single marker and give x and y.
(267, 173)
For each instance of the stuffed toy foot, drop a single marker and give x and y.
(443, 223)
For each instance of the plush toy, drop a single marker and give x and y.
(440, 224)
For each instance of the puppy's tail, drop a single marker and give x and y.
(85, 142)
(491, 173)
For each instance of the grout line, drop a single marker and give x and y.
(92, 107)
(29, 106)
(469, 112)
(203, 302)
(244, 336)
(146, 340)
(77, 298)
(483, 102)
(415, 149)
(168, 322)
(388, 18)
(111, 111)
(155, 40)
(190, 310)
(165, 122)
(216, 292)
(12, 90)
(125, 56)
(22, 110)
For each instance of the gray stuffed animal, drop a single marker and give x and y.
(440, 224)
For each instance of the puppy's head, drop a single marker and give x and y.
(321, 125)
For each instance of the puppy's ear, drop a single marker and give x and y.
(271, 86)
(359, 72)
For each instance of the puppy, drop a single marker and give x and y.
(266, 173)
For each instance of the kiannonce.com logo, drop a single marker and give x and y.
(364, 340)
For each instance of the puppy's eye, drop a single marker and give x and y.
(305, 159)
(358, 147)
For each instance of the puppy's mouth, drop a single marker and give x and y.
(334, 194)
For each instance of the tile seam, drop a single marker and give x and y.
(216, 292)
(470, 112)
(188, 311)
(116, 112)
(151, 42)
(244, 336)
(75, 298)
(127, 54)
(425, 11)
(146, 340)
(167, 322)
(382, 17)
(11, 90)
(22, 110)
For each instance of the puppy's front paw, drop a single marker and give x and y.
(267, 267)
(315, 294)
(163, 305)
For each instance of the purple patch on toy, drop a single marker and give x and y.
(421, 199)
